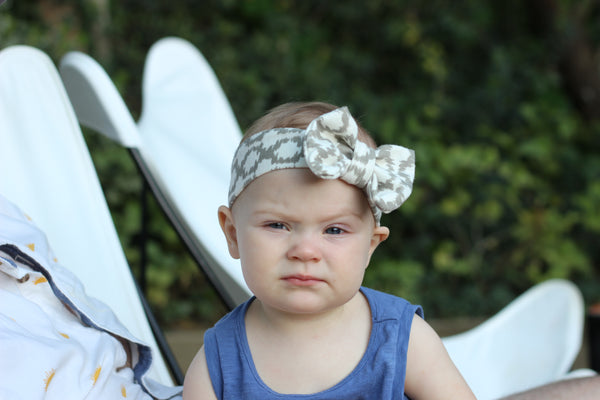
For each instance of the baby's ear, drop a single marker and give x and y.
(380, 234)
(228, 227)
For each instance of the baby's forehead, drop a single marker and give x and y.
(281, 188)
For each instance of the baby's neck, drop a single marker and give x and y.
(260, 316)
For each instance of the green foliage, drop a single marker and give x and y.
(506, 193)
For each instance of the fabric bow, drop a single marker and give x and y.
(332, 150)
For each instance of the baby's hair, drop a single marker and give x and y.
(299, 115)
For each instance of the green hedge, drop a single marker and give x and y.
(507, 191)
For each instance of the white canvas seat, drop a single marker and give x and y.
(47, 171)
(187, 135)
(531, 342)
(183, 143)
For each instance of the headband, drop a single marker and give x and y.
(330, 148)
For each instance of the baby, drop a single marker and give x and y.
(308, 187)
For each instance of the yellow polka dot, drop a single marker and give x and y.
(28, 217)
(48, 379)
(31, 246)
(55, 259)
(123, 391)
(39, 280)
(64, 335)
(96, 374)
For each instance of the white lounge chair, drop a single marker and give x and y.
(187, 134)
(529, 343)
(47, 171)
(183, 143)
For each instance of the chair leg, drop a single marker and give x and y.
(162, 343)
(143, 238)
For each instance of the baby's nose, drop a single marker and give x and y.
(305, 247)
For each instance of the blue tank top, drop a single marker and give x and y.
(379, 374)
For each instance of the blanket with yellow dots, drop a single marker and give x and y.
(56, 342)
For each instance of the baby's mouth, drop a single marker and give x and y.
(302, 280)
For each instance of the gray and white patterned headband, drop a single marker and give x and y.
(330, 148)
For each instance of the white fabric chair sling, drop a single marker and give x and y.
(47, 171)
(532, 341)
(183, 144)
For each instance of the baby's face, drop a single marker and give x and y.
(304, 242)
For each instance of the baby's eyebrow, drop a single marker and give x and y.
(270, 214)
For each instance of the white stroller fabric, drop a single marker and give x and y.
(55, 341)
(186, 137)
(48, 172)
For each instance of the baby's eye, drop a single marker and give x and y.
(334, 230)
(276, 225)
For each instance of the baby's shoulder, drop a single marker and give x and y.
(197, 384)
(384, 305)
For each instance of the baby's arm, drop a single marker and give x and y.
(197, 384)
(430, 373)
